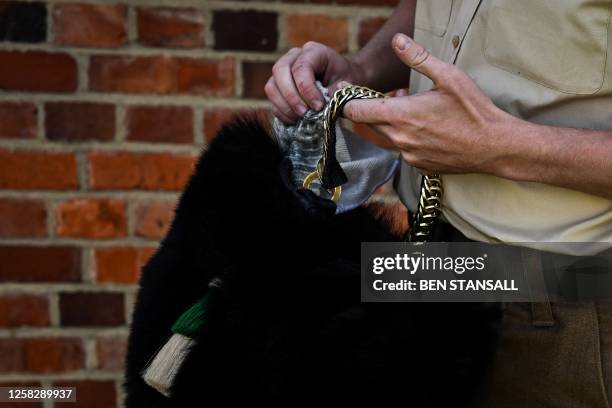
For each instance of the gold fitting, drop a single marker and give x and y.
(314, 176)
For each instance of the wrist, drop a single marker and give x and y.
(515, 148)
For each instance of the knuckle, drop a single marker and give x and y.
(299, 66)
(312, 45)
(278, 67)
(419, 55)
(269, 87)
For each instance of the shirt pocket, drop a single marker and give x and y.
(433, 16)
(560, 44)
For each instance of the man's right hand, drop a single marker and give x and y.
(292, 90)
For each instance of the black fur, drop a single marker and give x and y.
(294, 330)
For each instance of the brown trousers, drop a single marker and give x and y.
(557, 355)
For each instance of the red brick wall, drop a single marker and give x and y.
(103, 108)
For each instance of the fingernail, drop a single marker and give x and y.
(402, 42)
(342, 84)
(317, 104)
(301, 108)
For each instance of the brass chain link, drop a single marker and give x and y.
(430, 200)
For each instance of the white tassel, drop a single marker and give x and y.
(162, 371)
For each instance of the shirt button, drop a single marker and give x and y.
(456, 41)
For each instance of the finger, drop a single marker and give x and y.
(282, 117)
(284, 81)
(371, 111)
(418, 58)
(281, 105)
(312, 61)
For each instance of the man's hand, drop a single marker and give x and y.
(456, 128)
(450, 129)
(291, 89)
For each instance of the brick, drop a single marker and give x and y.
(140, 171)
(23, 22)
(24, 310)
(120, 264)
(91, 218)
(367, 28)
(153, 218)
(78, 121)
(214, 119)
(160, 124)
(41, 355)
(246, 30)
(84, 309)
(40, 264)
(18, 120)
(90, 25)
(28, 170)
(110, 352)
(170, 27)
(132, 74)
(254, 78)
(206, 77)
(162, 75)
(328, 30)
(90, 394)
(22, 218)
(37, 71)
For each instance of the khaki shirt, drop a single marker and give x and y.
(547, 62)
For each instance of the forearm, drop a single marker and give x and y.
(380, 66)
(578, 159)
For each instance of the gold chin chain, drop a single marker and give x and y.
(331, 175)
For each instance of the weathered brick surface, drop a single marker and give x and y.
(153, 218)
(41, 355)
(254, 78)
(23, 22)
(22, 218)
(91, 218)
(140, 171)
(37, 71)
(40, 263)
(120, 264)
(328, 30)
(24, 310)
(110, 352)
(91, 394)
(79, 121)
(37, 170)
(104, 107)
(170, 27)
(99, 25)
(18, 120)
(161, 124)
(91, 309)
(162, 75)
(247, 30)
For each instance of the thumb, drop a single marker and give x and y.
(418, 58)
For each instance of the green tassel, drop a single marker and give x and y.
(193, 319)
(162, 370)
